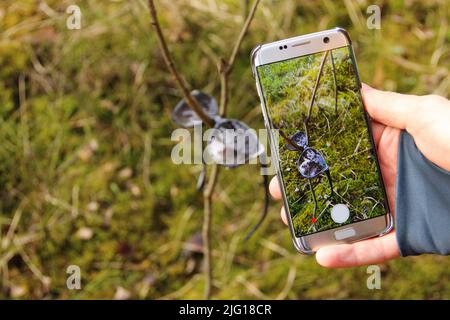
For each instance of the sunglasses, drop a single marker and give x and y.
(311, 163)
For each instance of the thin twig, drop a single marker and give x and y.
(245, 4)
(206, 232)
(314, 199)
(242, 34)
(34, 269)
(289, 140)
(223, 73)
(265, 208)
(192, 103)
(330, 182)
(225, 67)
(335, 84)
(322, 63)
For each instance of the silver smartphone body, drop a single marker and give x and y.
(285, 71)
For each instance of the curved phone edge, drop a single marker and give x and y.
(390, 225)
(253, 54)
(345, 33)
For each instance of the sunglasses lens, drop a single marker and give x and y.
(300, 139)
(185, 117)
(233, 143)
(311, 163)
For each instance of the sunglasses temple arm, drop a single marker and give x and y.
(314, 196)
(289, 140)
(330, 181)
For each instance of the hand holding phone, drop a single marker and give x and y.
(328, 170)
(386, 139)
(326, 176)
(391, 112)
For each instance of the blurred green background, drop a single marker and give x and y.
(85, 171)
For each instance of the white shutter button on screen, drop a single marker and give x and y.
(340, 213)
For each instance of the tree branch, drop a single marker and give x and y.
(245, 4)
(322, 63)
(289, 141)
(313, 98)
(191, 101)
(265, 207)
(206, 231)
(225, 67)
(335, 84)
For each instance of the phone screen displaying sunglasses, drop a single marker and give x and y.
(327, 161)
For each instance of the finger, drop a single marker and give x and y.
(283, 215)
(377, 131)
(274, 188)
(365, 252)
(390, 108)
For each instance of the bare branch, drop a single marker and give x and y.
(193, 104)
(206, 232)
(242, 34)
(264, 210)
(335, 84)
(311, 104)
(322, 63)
(225, 67)
(222, 66)
(289, 141)
(245, 4)
(315, 201)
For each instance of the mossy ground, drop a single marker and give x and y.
(85, 171)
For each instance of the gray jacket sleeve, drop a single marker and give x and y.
(422, 203)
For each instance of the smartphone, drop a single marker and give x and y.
(321, 140)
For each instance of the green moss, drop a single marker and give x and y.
(102, 103)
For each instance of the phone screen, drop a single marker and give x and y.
(328, 165)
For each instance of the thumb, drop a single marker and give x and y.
(390, 108)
